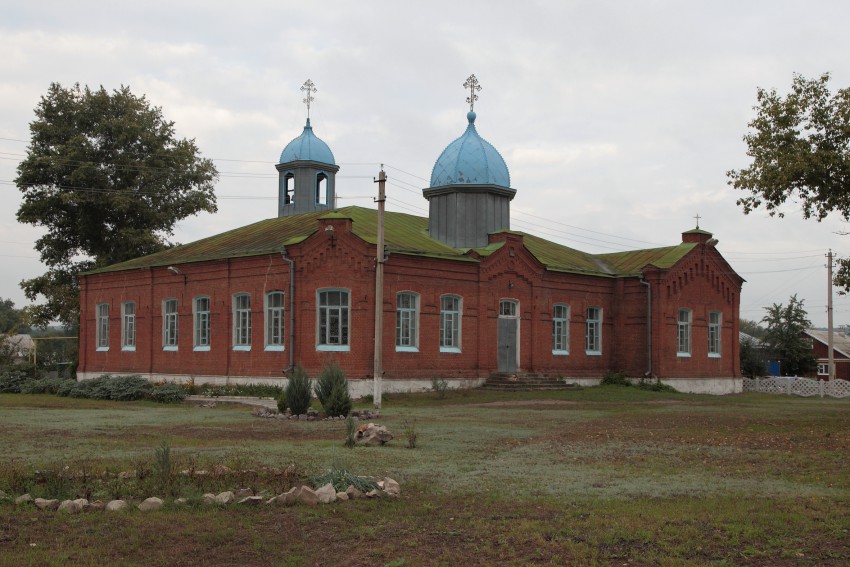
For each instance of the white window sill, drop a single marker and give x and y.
(450, 349)
(128, 348)
(333, 348)
(560, 352)
(170, 348)
(202, 348)
(243, 348)
(683, 354)
(593, 352)
(406, 349)
(275, 348)
(713, 355)
(102, 349)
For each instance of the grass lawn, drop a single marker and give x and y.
(601, 476)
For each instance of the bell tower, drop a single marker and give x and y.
(306, 170)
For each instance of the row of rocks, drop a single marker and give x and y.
(314, 415)
(296, 495)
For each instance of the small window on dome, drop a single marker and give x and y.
(321, 189)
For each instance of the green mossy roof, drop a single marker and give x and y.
(403, 234)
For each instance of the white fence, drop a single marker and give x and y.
(795, 386)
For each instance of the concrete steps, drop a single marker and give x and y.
(500, 381)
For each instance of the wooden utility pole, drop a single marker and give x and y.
(379, 290)
(829, 315)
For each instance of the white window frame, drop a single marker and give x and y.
(684, 327)
(823, 369)
(715, 323)
(201, 329)
(593, 331)
(275, 326)
(128, 325)
(407, 321)
(242, 321)
(451, 323)
(170, 321)
(101, 318)
(561, 329)
(329, 315)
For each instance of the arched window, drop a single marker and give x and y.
(321, 189)
(561, 329)
(274, 320)
(242, 321)
(288, 189)
(450, 323)
(407, 321)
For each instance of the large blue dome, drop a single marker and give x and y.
(470, 160)
(307, 147)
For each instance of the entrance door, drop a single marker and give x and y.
(508, 341)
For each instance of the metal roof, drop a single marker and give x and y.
(470, 160)
(307, 147)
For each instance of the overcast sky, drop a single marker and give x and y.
(618, 120)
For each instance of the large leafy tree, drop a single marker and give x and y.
(800, 147)
(785, 326)
(108, 178)
(11, 318)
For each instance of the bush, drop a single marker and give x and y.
(43, 385)
(167, 393)
(297, 394)
(332, 390)
(342, 478)
(12, 379)
(350, 433)
(440, 386)
(616, 379)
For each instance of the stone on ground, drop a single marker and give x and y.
(251, 500)
(70, 506)
(373, 434)
(391, 487)
(326, 494)
(307, 495)
(116, 505)
(45, 504)
(23, 499)
(152, 503)
(225, 497)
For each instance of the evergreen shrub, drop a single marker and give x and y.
(297, 393)
(332, 390)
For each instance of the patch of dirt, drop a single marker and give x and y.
(515, 403)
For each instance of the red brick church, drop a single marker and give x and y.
(464, 296)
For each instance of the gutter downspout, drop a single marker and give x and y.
(648, 326)
(291, 310)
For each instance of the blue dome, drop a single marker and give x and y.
(470, 160)
(307, 147)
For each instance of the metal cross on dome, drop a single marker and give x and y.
(309, 88)
(473, 86)
(697, 217)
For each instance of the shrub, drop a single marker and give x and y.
(342, 478)
(332, 390)
(167, 393)
(119, 388)
(655, 386)
(12, 379)
(440, 386)
(410, 433)
(350, 432)
(616, 379)
(43, 386)
(297, 393)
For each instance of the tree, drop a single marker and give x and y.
(752, 328)
(11, 319)
(800, 146)
(800, 149)
(785, 326)
(107, 177)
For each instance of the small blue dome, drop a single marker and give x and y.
(307, 147)
(470, 160)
